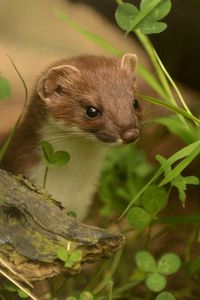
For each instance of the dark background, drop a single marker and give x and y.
(179, 45)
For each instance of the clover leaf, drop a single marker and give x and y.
(52, 158)
(156, 282)
(154, 199)
(130, 18)
(169, 264)
(69, 258)
(138, 218)
(74, 258)
(145, 261)
(86, 296)
(159, 12)
(165, 296)
(62, 254)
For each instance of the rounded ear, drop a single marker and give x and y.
(129, 63)
(56, 79)
(40, 88)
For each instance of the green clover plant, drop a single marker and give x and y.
(70, 258)
(165, 296)
(53, 158)
(147, 19)
(156, 271)
(150, 203)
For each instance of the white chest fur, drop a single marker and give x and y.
(75, 183)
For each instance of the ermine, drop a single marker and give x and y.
(81, 105)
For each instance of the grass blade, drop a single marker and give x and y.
(171, 107)
(12, 132)
(181, 166)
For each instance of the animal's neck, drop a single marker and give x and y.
(75, 183)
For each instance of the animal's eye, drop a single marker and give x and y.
(92, 112)
(136, 104)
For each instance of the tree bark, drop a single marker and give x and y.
(33, 227)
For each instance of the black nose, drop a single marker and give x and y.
(130, 135)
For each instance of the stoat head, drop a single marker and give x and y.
(96, 95)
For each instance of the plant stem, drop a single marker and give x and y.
(162, 73)
(45, 177)
(111, 291)
(12, 132)
(95, 278)
(150, 51)
(174, 108)
(126, 287)
(172, 82)
(156, 175)
(190, 242)
(109, 275)
(16, 283)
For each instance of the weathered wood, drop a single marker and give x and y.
(33, 226)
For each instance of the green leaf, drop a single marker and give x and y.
(62, 254)
(159, 12)
(165, 165)
(178, 155)
(165, 296)
(73, 259)
(145, 261)
(52, 158)
(173, 124)
(138, 218)
(181, 166)
(142, 16)
(154, 199)
(10, 287)
(156, 282)
(72, 214)
(129, 18)
(5, 89)
(180, 184)
(60, 158)
(191, 180)
(86, 296)
(22, 294)
(47, 151)
(169, 263)
(153, 27)
(125, 15)
(171, 107)
(71, 298)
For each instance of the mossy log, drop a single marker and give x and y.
(33, 226)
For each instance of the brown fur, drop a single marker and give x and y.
(100, 82)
